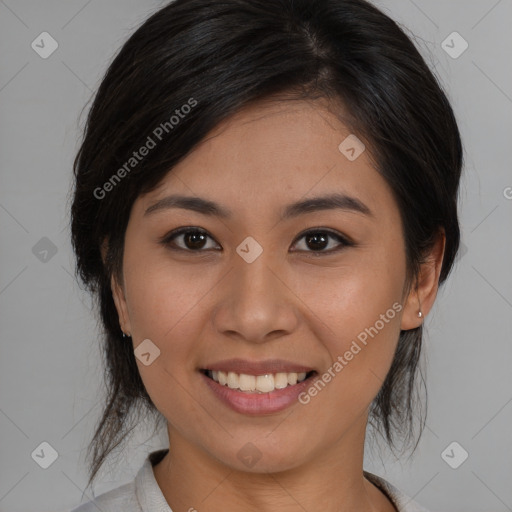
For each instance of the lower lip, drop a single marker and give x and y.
(258, 403)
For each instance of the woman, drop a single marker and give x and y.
(265, 205)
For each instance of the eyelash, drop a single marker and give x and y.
(167, 239)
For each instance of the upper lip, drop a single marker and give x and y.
(257, 367)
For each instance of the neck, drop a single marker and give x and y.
(192, 479)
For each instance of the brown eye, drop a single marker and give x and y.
(194, 240)
(318, 241)
(191, 239)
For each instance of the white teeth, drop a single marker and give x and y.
(247, 382)
(280, 380)
(265, 383)
(222, 378)
(261, 383)
(233, 380)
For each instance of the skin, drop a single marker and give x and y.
(292, 302)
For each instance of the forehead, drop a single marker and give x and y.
(272, 153)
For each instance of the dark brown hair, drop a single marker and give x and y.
(225, 55)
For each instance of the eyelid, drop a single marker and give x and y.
(335, 234)
(169, 237)
(344, 240)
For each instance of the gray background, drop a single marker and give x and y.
(50, 380)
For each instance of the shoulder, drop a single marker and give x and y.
(121, 498)
(139, 495)
(401, 501)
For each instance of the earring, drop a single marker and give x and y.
(420, 314)
(126, 335)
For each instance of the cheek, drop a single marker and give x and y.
(362, 312)
(358, 312)
(162, 294)
(164, 303)
(360, 337)
(164, 308)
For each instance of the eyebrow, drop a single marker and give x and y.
(315, 204)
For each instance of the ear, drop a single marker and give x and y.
(424, 291)
(118, 294)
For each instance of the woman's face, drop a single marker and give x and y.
(267, 281)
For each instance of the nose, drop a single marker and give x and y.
(256, 302)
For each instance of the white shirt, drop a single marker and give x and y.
(144, 495)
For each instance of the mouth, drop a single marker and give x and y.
(257, 384)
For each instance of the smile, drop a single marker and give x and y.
(268, 399)
(258, 384)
